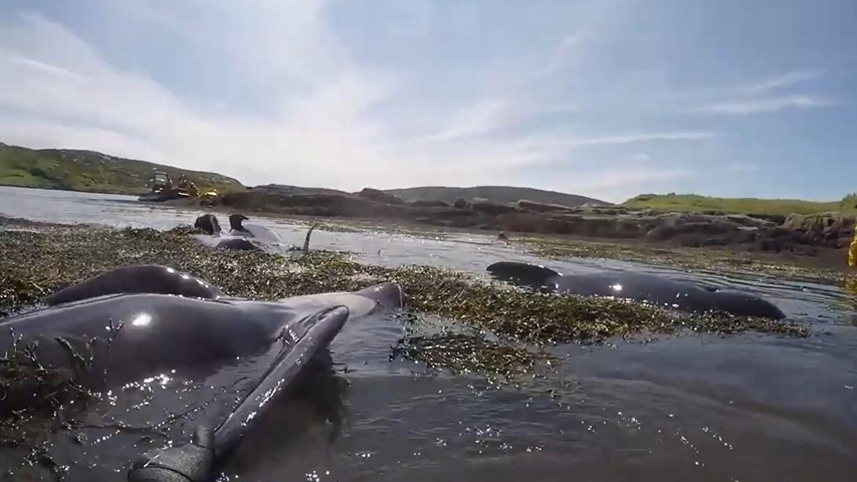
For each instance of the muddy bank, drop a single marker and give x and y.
(800, 235)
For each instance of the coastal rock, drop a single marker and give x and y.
(491, 209)
(429, 204)
(461, 203)
(796, 234)
(524, 205)
(380, 196)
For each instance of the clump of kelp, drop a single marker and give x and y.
(34, 402)
(28, 384)
(468, 354)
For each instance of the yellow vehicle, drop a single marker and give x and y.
(852, 251)
(162, 188)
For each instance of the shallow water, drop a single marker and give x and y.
(689, 407)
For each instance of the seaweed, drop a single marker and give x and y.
(63, 254)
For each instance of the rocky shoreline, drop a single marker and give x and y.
(801, 235)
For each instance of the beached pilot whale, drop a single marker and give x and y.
(211, 226)
(646, 288)
(239, 235)
(150, 278)
(139, 321)
(208, 223)
(256, 231)
(136, 321)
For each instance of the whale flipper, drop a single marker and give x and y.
(195, 461)
(318, 331)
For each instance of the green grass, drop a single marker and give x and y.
(88, 171)
(698, 204)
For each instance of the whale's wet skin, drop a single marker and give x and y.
(748, 408)
(146, 323)
(645, 288)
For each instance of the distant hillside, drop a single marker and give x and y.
(695, 203)
(89, 171)
(495, 194)
(296, 190)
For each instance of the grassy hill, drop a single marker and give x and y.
(695, 203)
(75, 170)
(495, 194)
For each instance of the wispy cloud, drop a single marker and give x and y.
(621, 181)
(46, 68)
(625, 177)
(646, 137)
(562, 56)
(777, 104)
(744, 167)
(480, 118)
(758, 98)
(569, 142)
(312, 92)
(785, 80)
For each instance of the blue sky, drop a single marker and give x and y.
(606, 98)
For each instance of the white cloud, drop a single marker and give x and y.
(621, 181)
(785, 80)
(479, 118)
(777, 104)
(47, 68)
(756, 99)
(97, 106)
(561, 57)
(745, 167)
(58, 91)
(625, 177)
(634, 138)
(569, 142)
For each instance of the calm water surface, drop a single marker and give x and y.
(740, 408)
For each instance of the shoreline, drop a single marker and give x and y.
(824, 264)
(829, 266)
(45, 188)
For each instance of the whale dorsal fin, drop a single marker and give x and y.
(150, 278)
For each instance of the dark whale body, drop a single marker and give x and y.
(140, 321)
(239, 235)
(135, 321)
(137, 279)
(124, 338)
(646, 288)
(207, 223)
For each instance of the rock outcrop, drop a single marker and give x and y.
(380, 196)
(797, 234)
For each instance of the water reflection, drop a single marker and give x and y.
(312, 414)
